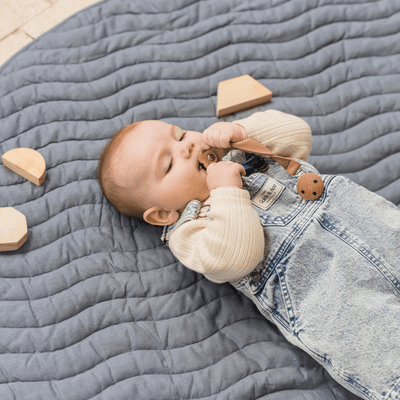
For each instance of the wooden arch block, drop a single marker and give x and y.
(239, 94)
(26, 162)
(13, 229)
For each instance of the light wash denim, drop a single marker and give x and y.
(330, 276)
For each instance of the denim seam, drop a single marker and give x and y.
(281, 320)
(394, 392)
(347, 380)
(371, 258)
(264, 304)
(279, 221)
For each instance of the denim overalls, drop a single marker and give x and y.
(330, 275)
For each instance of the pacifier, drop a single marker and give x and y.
(309, 186)
(212, 155)
(254, 162)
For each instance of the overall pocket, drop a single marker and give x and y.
(276, 202)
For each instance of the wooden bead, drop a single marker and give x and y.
(212, 155)
(13, 229)
(26, 162)
(310, 186)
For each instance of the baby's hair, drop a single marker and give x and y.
(116, 194)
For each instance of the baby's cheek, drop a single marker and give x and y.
(195, 188)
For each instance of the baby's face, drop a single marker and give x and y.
(158, 162)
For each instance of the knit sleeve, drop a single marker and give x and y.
(284, 134)
(228, 244)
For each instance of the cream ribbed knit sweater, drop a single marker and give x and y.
(229, 244)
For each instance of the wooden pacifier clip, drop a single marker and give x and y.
(309, 185)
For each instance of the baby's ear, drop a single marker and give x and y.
(160, 217)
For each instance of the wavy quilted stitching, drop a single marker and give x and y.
(93, 305)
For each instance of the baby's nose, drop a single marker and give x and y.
(188, 150)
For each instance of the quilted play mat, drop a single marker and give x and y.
(93, 305)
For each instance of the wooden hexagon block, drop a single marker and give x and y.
(13, 229)
(26, 162)
(239, 94)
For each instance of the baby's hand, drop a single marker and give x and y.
(222, 134)
(225, 174)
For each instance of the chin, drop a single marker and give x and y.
(204, 197)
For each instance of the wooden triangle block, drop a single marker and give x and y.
(13, 229)
(26, 162)
(240, 93)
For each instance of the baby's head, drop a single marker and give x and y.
(149, 170)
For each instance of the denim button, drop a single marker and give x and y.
(256, 277)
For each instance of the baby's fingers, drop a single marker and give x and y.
(220, 134)
(242, 171)
(224, 140)
(211, 137)
(216, 138)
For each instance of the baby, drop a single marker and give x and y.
(326, 272)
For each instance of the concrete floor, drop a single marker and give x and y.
(22, 21)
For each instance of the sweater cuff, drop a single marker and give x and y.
(284, 134)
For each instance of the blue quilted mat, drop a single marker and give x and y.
(93, 305)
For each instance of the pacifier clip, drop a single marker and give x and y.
(309, 185)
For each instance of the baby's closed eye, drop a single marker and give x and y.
(181, 133)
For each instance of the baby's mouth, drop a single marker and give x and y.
(201, 166)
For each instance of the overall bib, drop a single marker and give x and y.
(330, 279)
